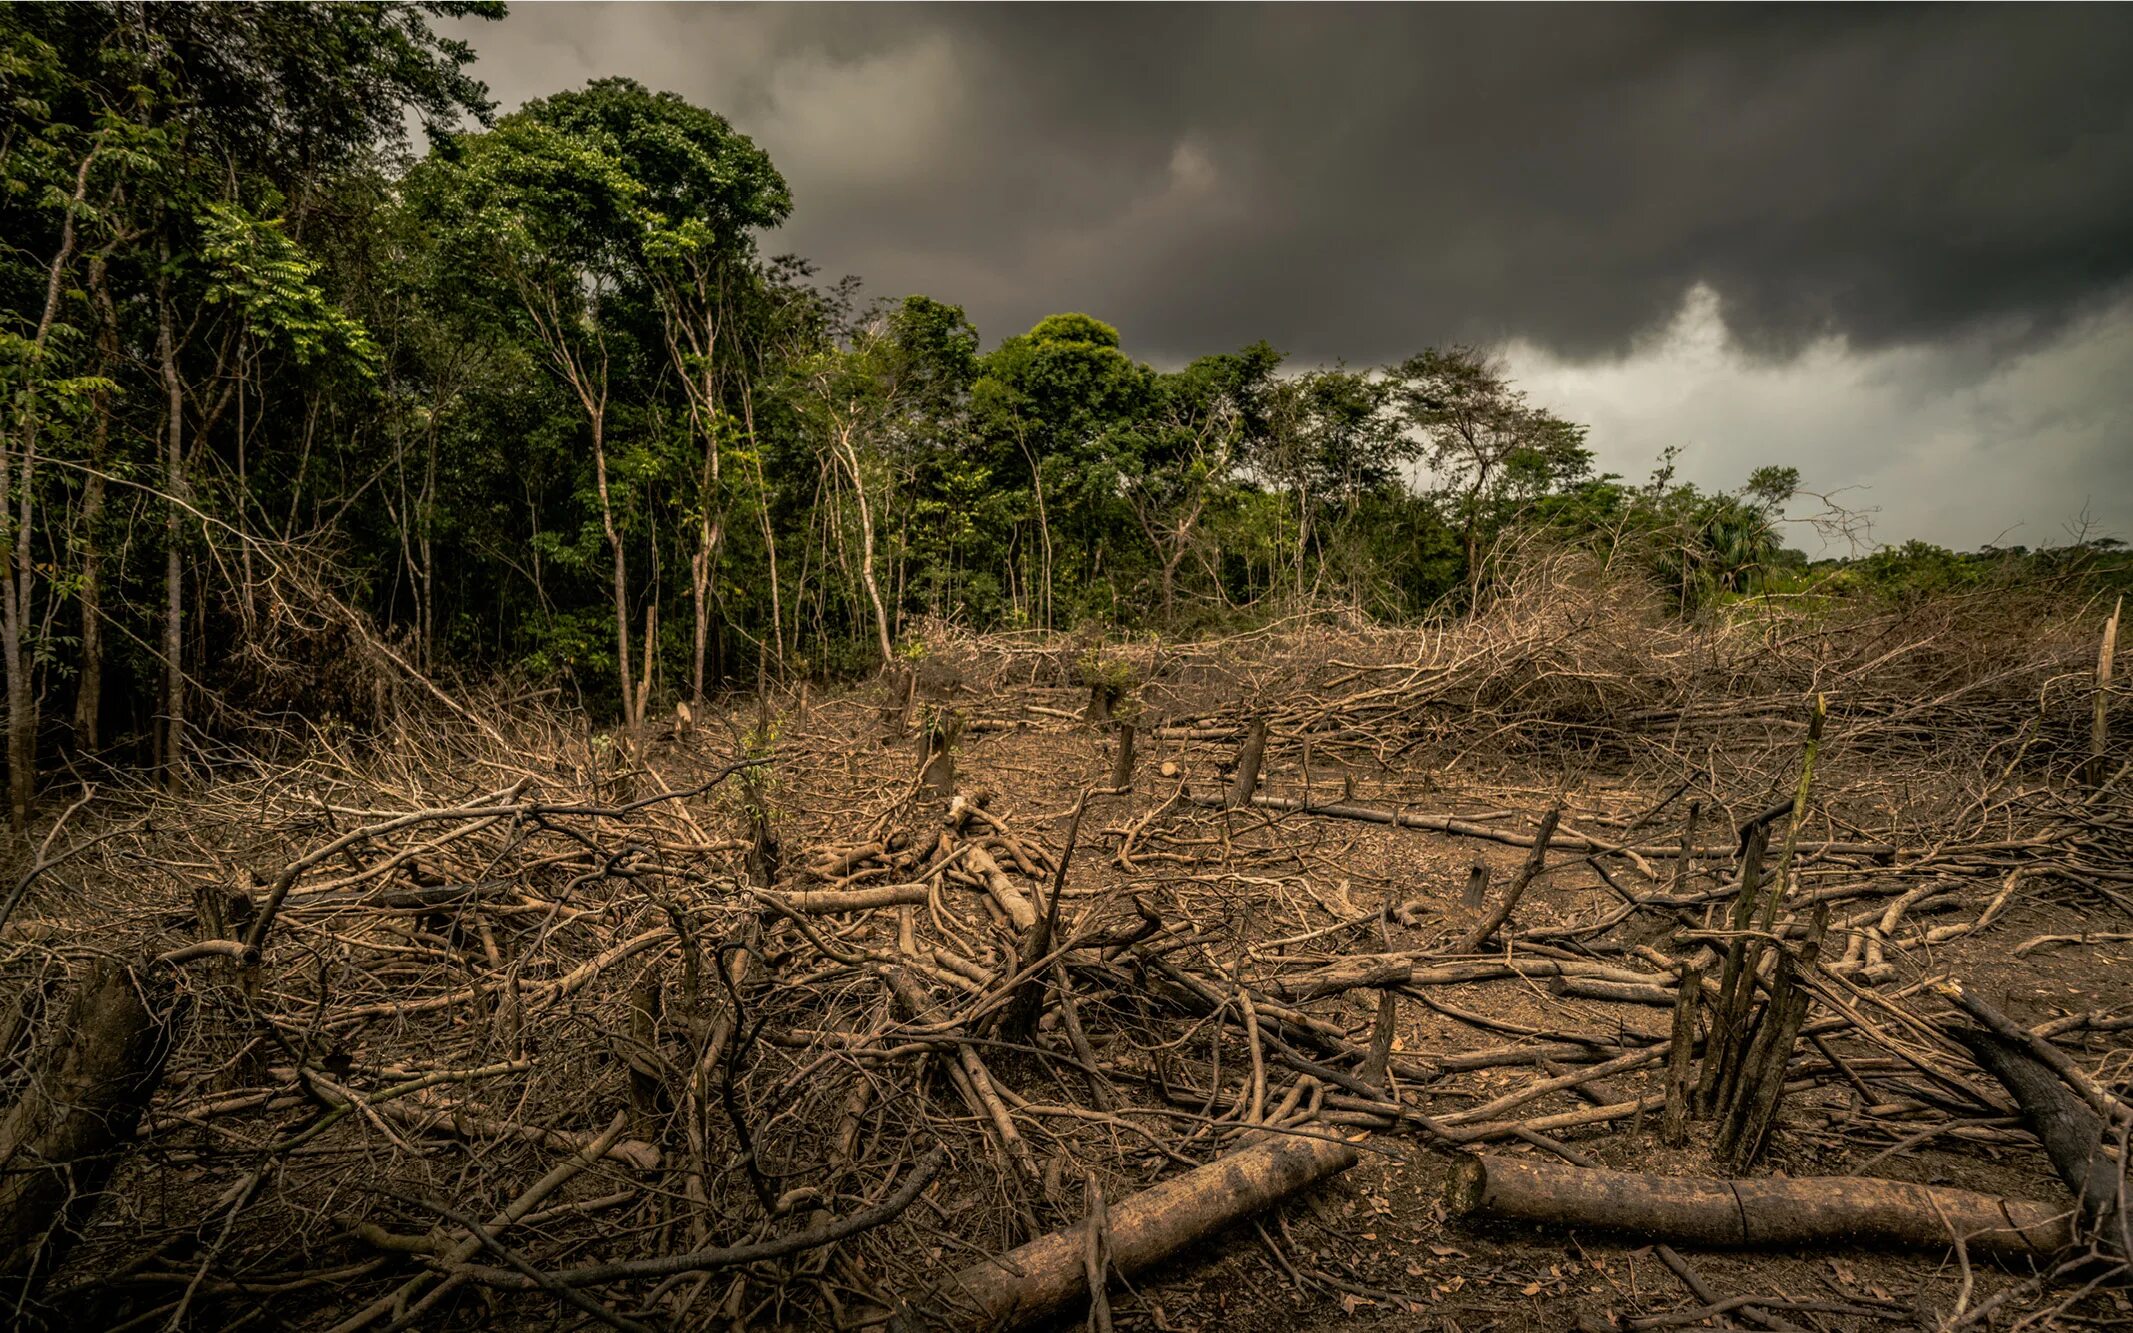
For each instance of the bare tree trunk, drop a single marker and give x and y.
(631, 705)
(15, 597)
(171, 734)
(699, 605)
(866, 547)
(89, 683)
(426, 546)
(1044, 525)
(770, 540)
(21, 716)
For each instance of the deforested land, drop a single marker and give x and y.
(567, 771)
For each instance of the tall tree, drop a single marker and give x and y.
(1048, 401)
(1181, 458)
(1482, 434)
(703, 191)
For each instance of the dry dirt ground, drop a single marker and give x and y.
(1378, 1235)
(291, 1172)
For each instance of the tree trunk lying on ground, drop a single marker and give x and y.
(2072, 1134)
(1024, 1285)
(61, 1139)
(1813, 1210)
(1468, 828)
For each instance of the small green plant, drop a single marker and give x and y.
(1110, 681)
(759, 779)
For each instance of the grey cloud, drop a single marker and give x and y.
(1891, 203)
(1371, 176)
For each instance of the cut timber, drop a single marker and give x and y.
(1024, 1285)
(936, 752)
(1011, 900)
(1122, 760)
(823, 901)
(1681, 1058)
(1760, 1214)
(64, 1134)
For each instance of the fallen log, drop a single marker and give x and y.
(2072, 1133)
(1759, 1214)
(65, 1133)
(824, 902)
(1378, 971)
(1568, 842)
(1021, 1287)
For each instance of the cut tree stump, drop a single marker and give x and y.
(1021, 1287)
(1759, 1214)
(61, 1139)
(1249, 756)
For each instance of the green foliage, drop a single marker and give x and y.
(1099, 670)
(408, 377)
(254, 266)
(1916, 570)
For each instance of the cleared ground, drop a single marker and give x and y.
(502, 939)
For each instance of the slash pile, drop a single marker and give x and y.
(765, 1020)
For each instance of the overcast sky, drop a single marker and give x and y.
(1889, 245)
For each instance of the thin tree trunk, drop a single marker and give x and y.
(1044, 530)
(171, 734)
(631, 717)
(89, 684)
(699, 605)
(770, 540)
(15, 598)
(866, 548)
(426, 547)
(711, 531)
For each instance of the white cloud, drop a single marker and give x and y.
(1959, 443)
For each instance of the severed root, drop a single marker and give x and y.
(1805, 1211)
(1021, 1287)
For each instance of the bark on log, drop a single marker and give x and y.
(826, 901)
(1122, 760)
(67, 1131)
(2072, 1134)
(1024, 1285)
(1760, 1214)
(1681, 1058)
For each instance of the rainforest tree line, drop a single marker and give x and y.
(536, 396)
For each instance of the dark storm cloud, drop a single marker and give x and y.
(1352, 182)
(1890, 245)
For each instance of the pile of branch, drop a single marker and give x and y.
(680, 1029)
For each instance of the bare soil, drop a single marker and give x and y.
(587, 894)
